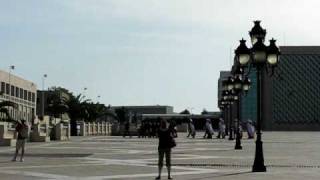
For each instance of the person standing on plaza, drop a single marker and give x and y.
(222, 128)
(127, 129)
(166, 143)
(191, 129)
(208, 129)
(250, 129)
(22, 133)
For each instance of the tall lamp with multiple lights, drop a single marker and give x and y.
(260, 57)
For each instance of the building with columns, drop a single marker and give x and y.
(20, 91)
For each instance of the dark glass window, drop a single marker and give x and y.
(33, 97)
(25, 95)
(7, 88)
(12, 90)
(17, 92)
(29, 96)
(21, 93)
(3, 87)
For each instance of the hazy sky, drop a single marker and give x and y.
(142, 52)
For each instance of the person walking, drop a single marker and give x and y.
(250, 129)
(222, 127)
(191, 129)
(22, 129)
(208, 129)
(166, 143)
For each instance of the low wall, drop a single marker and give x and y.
(40, 133)
(94, 129)
(7, 131)
(62, 131)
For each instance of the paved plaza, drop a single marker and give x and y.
(288, 155)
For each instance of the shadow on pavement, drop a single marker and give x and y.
(224, 175)
(47, 155)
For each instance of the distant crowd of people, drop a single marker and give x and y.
(149, 129)
(209, 130)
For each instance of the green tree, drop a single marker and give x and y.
(122, 114)
(77, 110)
(57, 104)
(186, 111)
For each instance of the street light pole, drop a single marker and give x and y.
(43, 81)
(12, 67)
(84, 92)
(98, 98)
(261, 57)
(238, 139)
(258, 165)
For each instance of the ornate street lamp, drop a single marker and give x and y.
(257, 32)
(246, 84)
(226, 103)
(240, 85)
(259, 56)
(229, 84)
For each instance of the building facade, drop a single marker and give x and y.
(20, 91)
(249, 100)
(292, 96)
(223, 76)
(44, 98)
(146, 109)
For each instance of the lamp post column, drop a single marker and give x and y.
(258, 165)
(42, 108)
(238, 140)
(225, 111)
(230, 123)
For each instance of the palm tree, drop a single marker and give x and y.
(122, 114)
(4, 111)
(94, 111)
(77, 109)
(57, 104)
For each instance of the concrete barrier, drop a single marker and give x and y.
(95, 129)
(62, 131)
(7, 131)
(40, 132)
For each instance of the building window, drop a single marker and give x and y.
(3, 87)
(21, 93)
(7, 88)
(29, 96)
(33, 97)
(12, 90)
(25, 95)
(17, 92)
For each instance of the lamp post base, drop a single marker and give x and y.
(231, 135)
(238, 147)
(258, 165)
(238, 143)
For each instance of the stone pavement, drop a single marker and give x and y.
(288, 155)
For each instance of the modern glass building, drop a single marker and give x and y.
(291, 97)
(249, 101)
(295, 90)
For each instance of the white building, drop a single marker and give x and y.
(20, 91)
